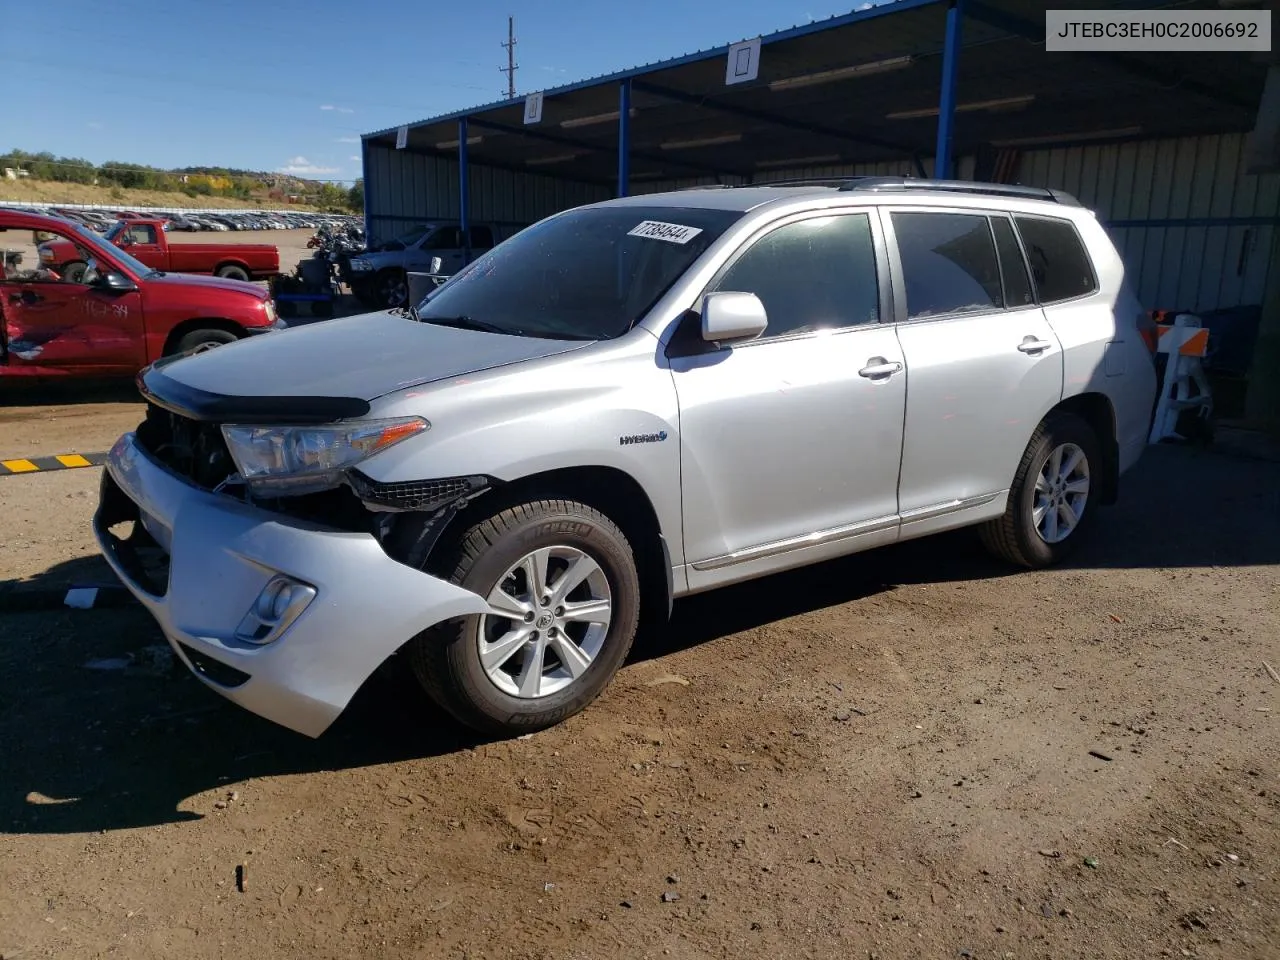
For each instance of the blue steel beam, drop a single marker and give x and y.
(464, 192)
(763, 116)
(624, 136)
(947, 100)
(595, 148)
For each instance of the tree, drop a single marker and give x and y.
(355, 197)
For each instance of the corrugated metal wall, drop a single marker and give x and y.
(407, 188)
(1193, 227)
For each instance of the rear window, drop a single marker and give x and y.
(949, 263)
(1060, 266)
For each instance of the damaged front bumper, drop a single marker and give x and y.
(286, 618)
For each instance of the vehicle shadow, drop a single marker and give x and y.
(101, 729)
(20, 392)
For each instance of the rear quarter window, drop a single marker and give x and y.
(1060, 266)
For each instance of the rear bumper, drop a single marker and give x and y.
(221, 553)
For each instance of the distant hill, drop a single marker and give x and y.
(56, 179)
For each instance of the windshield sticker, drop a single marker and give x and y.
(670, 232)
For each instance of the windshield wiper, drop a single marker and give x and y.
(470, 323)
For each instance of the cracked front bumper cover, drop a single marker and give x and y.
(222, 552)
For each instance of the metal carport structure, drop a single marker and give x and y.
(1156, 142)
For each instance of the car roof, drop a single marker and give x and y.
(20, 220)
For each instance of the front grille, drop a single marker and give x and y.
(190, 448)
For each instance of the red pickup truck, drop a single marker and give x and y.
(117, 315)
(145, 239)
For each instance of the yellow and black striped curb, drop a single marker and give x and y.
(63, 461)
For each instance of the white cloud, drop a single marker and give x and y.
(330, 106)
(347, 140)
(95, 124)
(302, 167)
(355, 159)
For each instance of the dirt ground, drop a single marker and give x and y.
(912, 753)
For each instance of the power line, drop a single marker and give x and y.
(510, 68)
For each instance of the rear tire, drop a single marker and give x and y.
(198, 341)
(543, 661)
(1054, 495)
(231, 271)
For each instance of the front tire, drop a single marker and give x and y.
(1054, 495)
(391, 287)
(564, 595)
(198, 341)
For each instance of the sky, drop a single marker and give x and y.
(290, 85)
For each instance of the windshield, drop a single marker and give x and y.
(589, 274)
(99, 246)
(410, 237)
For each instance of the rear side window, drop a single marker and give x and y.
(949, 263)
(1059, 264)
(1017, 286)
(811, 275)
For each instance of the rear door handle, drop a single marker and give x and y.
(1034, 345)
(878, 368)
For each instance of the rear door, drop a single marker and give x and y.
(984, 363)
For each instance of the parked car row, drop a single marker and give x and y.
(102, 220)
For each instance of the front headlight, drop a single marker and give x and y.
(361, 266)
(296, 460)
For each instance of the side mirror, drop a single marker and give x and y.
(117, 283)
(436, 264)
(730, 316)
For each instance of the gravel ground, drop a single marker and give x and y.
(912, 753)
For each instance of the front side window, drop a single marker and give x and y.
(588, 274)
(1059, 264)
(811, 275)
(949, 263)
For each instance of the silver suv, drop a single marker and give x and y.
(623, 404)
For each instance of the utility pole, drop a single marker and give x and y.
(510, 68)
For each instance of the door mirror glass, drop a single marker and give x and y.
(436, 264)
(117, 282)
(729, 316)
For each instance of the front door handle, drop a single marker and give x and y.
(1034, 345)
(878, 368)
(26, 296)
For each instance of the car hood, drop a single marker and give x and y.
(360, 358)
(198, 280)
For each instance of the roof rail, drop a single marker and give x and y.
(805, 182)
(961, 186)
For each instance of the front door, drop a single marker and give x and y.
(985, 365)
(790, 444)
(143, 243)
(54, 326)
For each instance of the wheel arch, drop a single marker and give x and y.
(232, 262)
(180, 330)
(616, 494)
(1097, 410)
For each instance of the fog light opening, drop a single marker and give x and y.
(276, 607)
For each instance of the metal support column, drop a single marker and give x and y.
(624, 136)
(464, 192)
(942, 164)
(364, 183)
